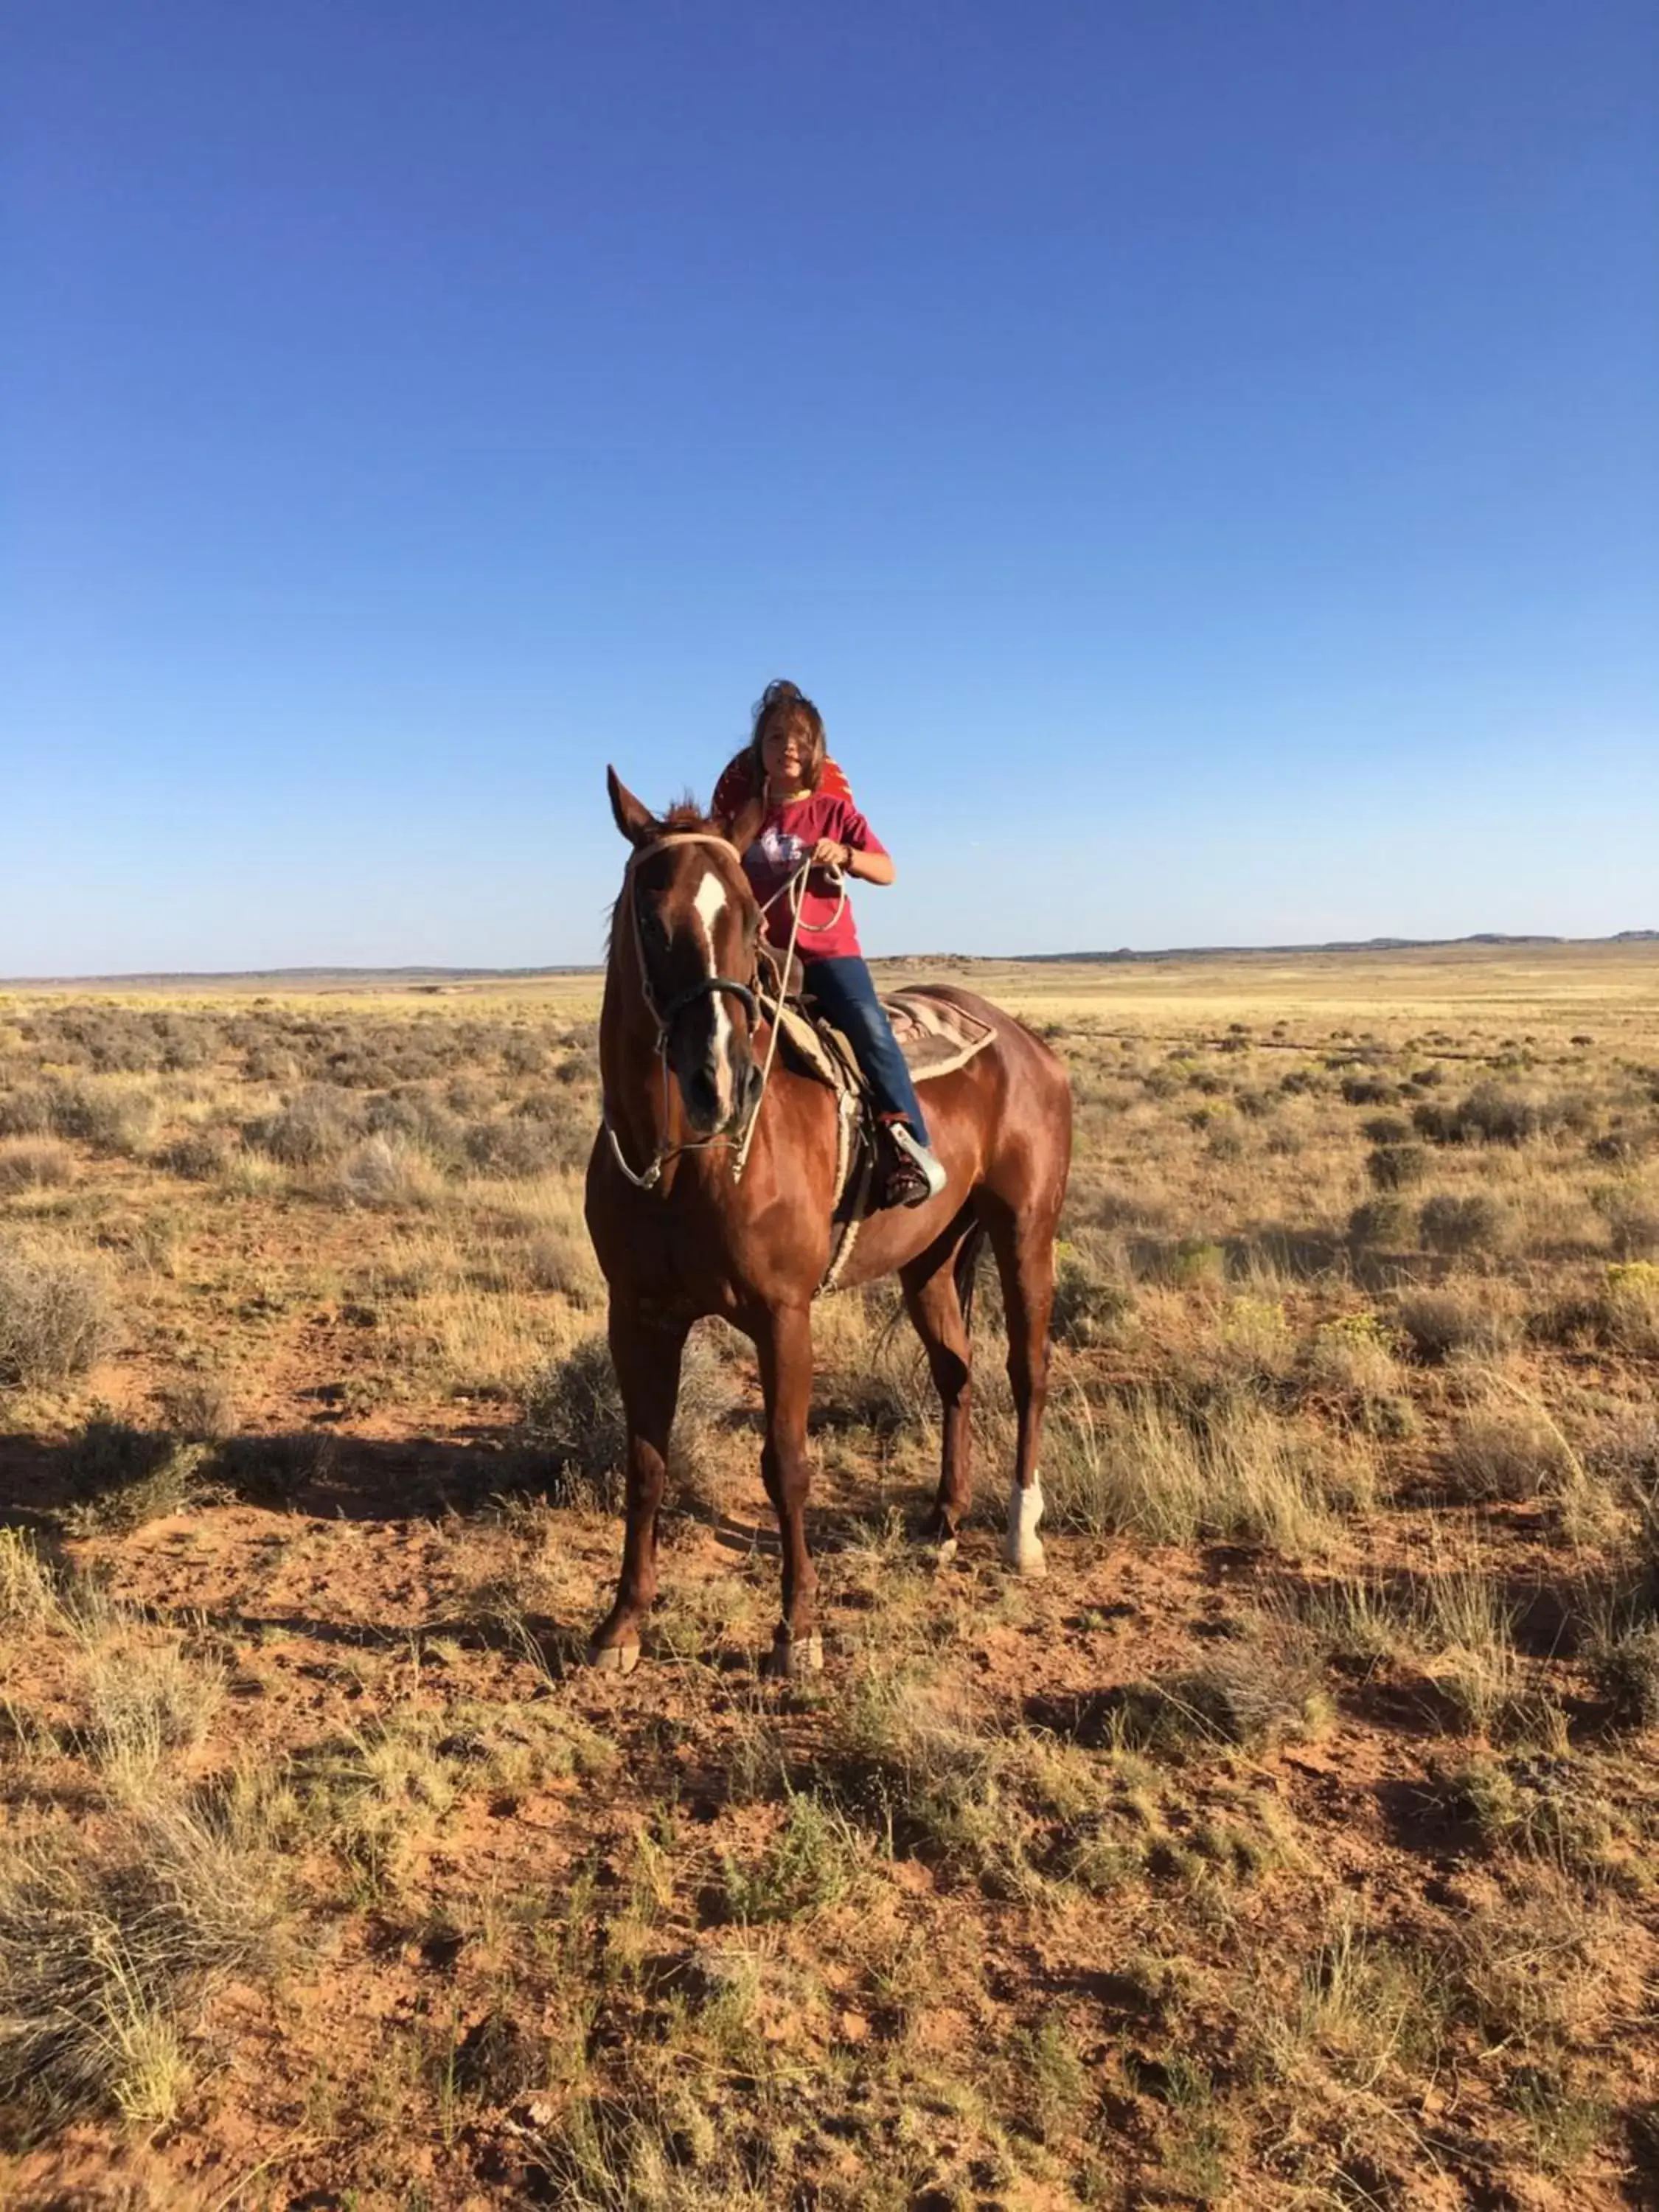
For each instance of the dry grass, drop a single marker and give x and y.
(1292, 1845)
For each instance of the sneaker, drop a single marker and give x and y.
(918, 1166)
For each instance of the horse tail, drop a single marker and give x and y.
(967, 1260)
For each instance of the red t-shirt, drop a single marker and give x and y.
(786, 836)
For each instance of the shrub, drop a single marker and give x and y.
(1090, 1307)
(562, 1260)
(515, 1147)
(26, 1112)
(1633, 1220)
(109, 1116)
(1385, 1220)
(1388, 1129)
(1452, 1224)
(414, 1117)
(202, 1157)
(379, 1172)
(1629, 1306)
(1441, 1323)
(124, 1476)
(39, 1165)
(313, 1130)
(55, 1316)
(1492, 1115)
(1368, 1090)
(1395, 1167)
(1355, 1351)
(1508, 1452)
(201, 1406)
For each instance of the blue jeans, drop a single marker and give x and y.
(844, 994)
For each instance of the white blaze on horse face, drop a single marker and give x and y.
(710, 903)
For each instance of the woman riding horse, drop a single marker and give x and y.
(681, 1234)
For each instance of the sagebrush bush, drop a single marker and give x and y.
(104, 1114)
(56, 1315)
(1354, 1353)
(1632, 1215)
(200, 1156)
(1091, 1306)
(26, 1111)
(562, 1260)
(1511, 1452)
(200, 1406)
(412, 1116)
(1440, 1322)
(41, 1164)
(1384, 1220)
(1396, 1166)
(1493, 1115)
(381, 1172)
(1454, 1226)
(516, 1146)
(313, 1130)
(1388, 1129)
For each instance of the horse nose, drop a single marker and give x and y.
(703, 1100)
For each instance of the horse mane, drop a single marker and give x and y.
(685, 814)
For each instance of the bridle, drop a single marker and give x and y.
(664, 1017)
(706, 987)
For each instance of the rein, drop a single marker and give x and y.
(706, 987)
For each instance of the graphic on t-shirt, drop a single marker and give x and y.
(783, 851)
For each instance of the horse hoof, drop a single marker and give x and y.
(794, 1655)
(1030, 1564)
(944, 1552)
(613, 1658)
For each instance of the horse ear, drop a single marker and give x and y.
(637, 823)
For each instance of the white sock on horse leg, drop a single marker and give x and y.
(1024, 1550)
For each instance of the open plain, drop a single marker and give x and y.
(1295, 1842)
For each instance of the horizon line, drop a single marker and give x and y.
(415, 970)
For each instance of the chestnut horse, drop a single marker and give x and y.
(680, 1235)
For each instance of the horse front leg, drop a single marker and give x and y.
(648, 1364)
(784, 1341)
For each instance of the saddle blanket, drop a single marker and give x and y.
(935, 1036)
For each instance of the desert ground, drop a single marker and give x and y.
(1295, 1842)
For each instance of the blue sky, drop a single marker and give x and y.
(1203, 458)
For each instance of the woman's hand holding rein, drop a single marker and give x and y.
(873, 867)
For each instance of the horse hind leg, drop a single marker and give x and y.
(1025, 1247)
(938, 1287)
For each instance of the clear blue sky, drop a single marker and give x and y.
(1202, 457)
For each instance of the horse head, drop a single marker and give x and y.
(691, 924)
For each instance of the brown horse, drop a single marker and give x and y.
(678, 1236)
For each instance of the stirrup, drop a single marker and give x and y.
(919, 1173)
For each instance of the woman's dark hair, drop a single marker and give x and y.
(778, 705)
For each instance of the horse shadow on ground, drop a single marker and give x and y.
(109, 1477)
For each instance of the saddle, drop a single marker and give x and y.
(936, 1037)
